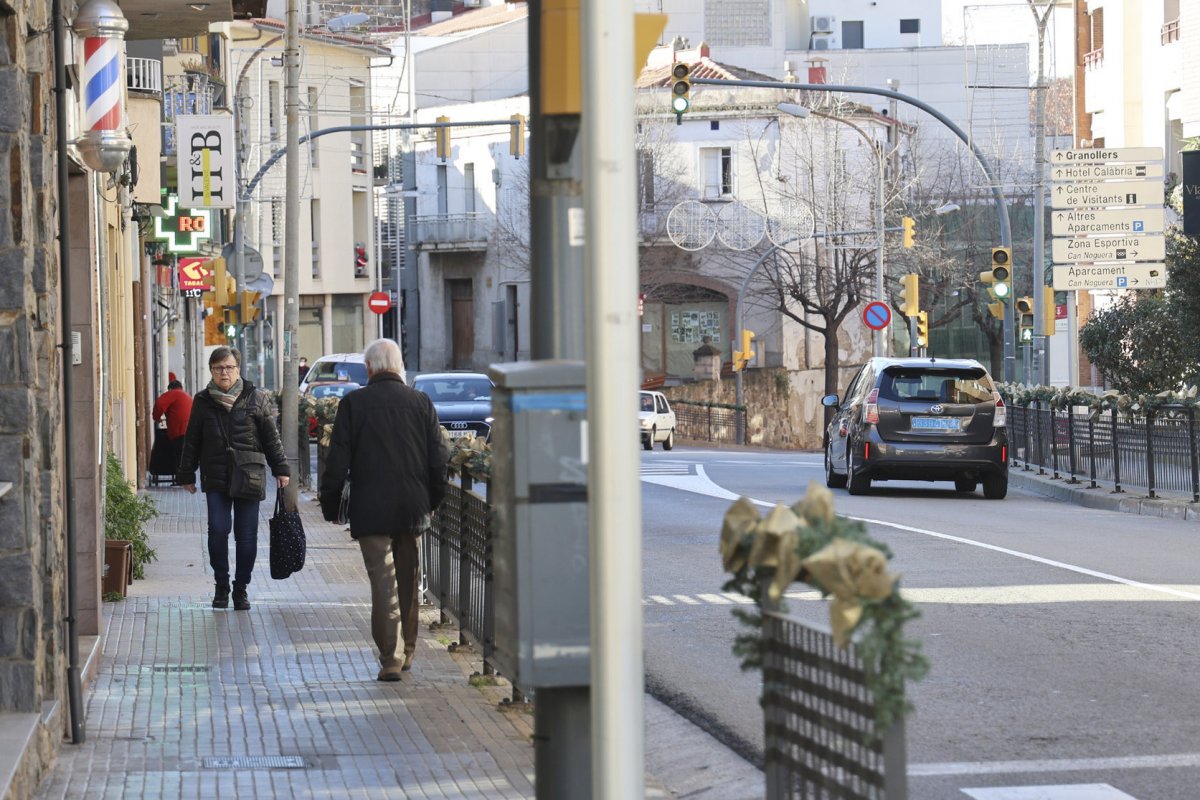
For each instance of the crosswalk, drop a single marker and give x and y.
(715, 599)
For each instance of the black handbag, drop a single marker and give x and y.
(343, 514)
(287, 541)
(247, 469)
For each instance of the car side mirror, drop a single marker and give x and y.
(830, 401)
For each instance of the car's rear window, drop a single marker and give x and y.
(941, 386)
(455, 390)
(348, 371)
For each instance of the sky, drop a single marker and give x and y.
(1005, 21)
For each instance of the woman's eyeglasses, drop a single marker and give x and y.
(224, 369)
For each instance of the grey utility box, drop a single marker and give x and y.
(540, 530)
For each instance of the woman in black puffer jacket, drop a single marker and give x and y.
(231, 413)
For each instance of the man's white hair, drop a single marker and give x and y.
(383, 355)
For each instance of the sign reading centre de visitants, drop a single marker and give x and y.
(206, 160)
(1105, 193)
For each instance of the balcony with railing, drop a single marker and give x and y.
(144, 75)
(1094, 59)
(1170, 31)
(469, 231)
(190, 93)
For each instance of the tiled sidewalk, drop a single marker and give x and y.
(281, 701)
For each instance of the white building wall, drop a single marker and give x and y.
(881, 21)
(487, 65)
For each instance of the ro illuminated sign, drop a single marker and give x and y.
(182, 228)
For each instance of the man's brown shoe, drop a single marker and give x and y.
(408, 657)
(390, 674)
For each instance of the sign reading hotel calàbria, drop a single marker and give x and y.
(206, 160)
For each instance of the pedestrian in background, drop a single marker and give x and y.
(230, 414)
(176, 406)
(387, 442)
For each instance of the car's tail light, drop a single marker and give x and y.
(871, 412)
(1001, 418)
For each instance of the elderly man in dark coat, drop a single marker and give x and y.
(387, 442)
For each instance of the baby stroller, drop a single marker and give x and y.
(164, 458)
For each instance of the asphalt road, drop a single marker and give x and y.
(1062, 640)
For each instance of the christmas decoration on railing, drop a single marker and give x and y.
(469, 455)
(808, 542)
(1061, 398)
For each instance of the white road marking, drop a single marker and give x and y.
(662, 601)
(700, 483)
(1075, 791)
(738, 598)
(714, 599)
(1091, 765)
(687, 601)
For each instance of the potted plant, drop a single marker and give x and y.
(127, 546)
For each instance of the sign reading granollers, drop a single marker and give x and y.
(206, 161)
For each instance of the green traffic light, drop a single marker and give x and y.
(679, 104)
(1027, 334)
(231, 331)
(1001, 289)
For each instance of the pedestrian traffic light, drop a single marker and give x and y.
(443, 139)
(249, 310)
(910, 299)
(741, 358)
(516, 136)
(910, 232)
(681, 87)
(1049, 317)
(1024, 309)
(997, 277)
(922, 329)
(232, 322)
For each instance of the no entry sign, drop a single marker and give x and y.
(379, 302)
(877, 315)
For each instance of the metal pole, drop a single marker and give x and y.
(1005, 227)
(291, 246)
(1039, 205)
(613, 344)
(877, 149)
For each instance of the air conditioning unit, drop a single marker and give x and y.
(822, 42)
(823, 24)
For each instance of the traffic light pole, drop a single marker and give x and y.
(1005, 227)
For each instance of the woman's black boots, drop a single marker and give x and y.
(221, 596)
(240, 601)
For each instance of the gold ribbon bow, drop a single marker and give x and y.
(850, 572)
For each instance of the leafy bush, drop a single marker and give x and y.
(126, 515)
(1138, 344)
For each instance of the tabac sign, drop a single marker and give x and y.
(206, 160)
(183, 229)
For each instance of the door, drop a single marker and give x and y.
(462, 324)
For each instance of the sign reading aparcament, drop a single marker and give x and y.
(1109, 276)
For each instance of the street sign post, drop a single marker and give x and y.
(1081, 222)
(1109, 248)
(877, 315)
(1072, 277)
(1107, 193)
(379, 302)
(1101, 155)
(1100, 172)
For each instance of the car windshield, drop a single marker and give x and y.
(455, 390)
(647, 402)
(333, 390)
(341, 371)
(940, 386)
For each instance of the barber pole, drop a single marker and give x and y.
(105, 142)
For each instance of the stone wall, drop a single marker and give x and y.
(783, 407)
(32, 530)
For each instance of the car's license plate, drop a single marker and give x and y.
(936, 423)
(460, 433)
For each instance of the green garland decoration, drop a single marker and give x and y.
(891, 659)
(1060, 398)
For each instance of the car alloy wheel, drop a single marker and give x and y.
(832, 479)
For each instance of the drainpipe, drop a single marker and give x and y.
(74, 690)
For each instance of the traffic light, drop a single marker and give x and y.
(1024, 309)
(741, 358)
(224, 285)
(232, 322)
(1048, 311)
(997, 277)
(516, 136)
(910, 300)
(996, 309)
(922, 329)
(443, 139)
(360, 260)
(910, 232)
(249, 310)
(681, 87)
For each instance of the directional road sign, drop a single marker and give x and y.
(1116, 193)
(1113, 220)
(1100, 155)
(877, 315)
(1109, 276)
(1110, 248)
(1100, 172)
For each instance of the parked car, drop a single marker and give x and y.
(336, 368)
(657, 420)
(319, 391)
(918, 419)
(463, 401)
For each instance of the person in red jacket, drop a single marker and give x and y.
(176, 405)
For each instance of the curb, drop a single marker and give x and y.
(1103, 498)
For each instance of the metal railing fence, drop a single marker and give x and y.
(819, 719)
(1156, 451)
(707, 422)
